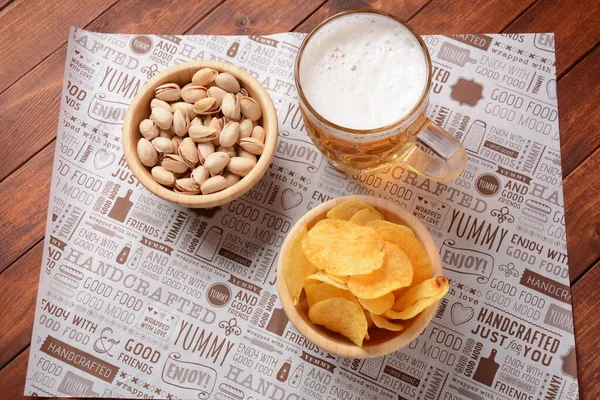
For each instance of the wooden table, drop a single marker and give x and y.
(33, 36)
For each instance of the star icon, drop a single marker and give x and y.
(497, 43)
(135, 380)
(279, 169)
(509, 48)
(106, 135)
(157, 391)
(473, 291)
(146, 385)
(302, 179)
(291, 173)
(84, 124)
(95, 130)
(123, 374)
(520, 52)
(73, 119)
(532, 55)
(543, 60)
(460, 285)
(169, 396)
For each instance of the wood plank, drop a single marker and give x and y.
(39, 91)
(19, 286)
(36, 29)
(476, 16)
(12, 377)
(586, 302)
(247, 17)
(582, 210)
(578, 94)
(575, 25)
(24, 206)
(402, 9)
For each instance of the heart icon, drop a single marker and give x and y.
(420, 198)
(150, 308)
(290, 199)
(461, 314)
(103, 159)
(155, 312)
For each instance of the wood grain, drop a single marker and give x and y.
(477, 16)
(402, 9)
(12, 377)
(586, 302)
(19, 289)
(578, 112)
(25, 199)
(576, 27)
(582, 209)
(39, 91)
(36, 29)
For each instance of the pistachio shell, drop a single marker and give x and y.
(214, 184)
(160, 103)
(240, 166)
(174, 163)
(149, 129)
(231, 179)
(252, 145)
(186, 186)
(163, 176)
(176, 140)
(185, 108)
(204, 150)
(216, 161)
(246, 128)
(231, 107)
(217, 124)
(147, 153)
(217, 93)
(163, 145)
(229, 134)
(205, 106)
(250, 108)
(162, 117)
(229, 150)
(181, 123)
(168, 92)
(259, 133)
(200, 133)
(204, 76)
(200, 175)
(191, 93)
(188, 152)
(166, 133)
(227, 82)
(246, 154)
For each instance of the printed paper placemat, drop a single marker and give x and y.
(140, 298)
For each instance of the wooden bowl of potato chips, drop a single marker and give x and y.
(360, 277)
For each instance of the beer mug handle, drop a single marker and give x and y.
(444, 157)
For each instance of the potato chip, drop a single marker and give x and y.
(365, 216)
(383, 323)
(322, 291)
(340, 315)
(342, 248)
(296, 267)
(420, 303)
(406, 239)
(337, 281)
(347, 209)
(379, 305)
(396, 273)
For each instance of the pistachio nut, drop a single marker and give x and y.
(181, 123)
(200, 175)
(162, 117)
(214, 184)
(229, 134)
(250, 108)
(259, 133)
(168, 92)
(163, 176)
(227, 82)
(163, 145)
(204, 76)
(204, 150)
(185, 108)
(246, 128)
(147, 153)
(246, 154)
(216, 161)
(217, 93)
(168, 133)
(231, 107)
(200, 133)
(160, 103)
(240, 166)
(186, 186)
(217, 124)
(191, 93)
(206, 106)
(149, 129)
(174, 163)
(252, 145)
(231, 179)
(188, 152)
(229, 150)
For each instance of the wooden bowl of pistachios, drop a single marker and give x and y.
(200, 134)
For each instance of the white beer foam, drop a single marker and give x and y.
(363, 71)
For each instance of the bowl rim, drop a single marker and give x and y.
(142, 173)
(343, 347)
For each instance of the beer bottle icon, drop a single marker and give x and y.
(296, 376)
(124, 253)
(233, 49)
(244, 53)
(486, 370)
(284, 371)
(134, 261)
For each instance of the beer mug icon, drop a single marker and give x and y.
(210, 244)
